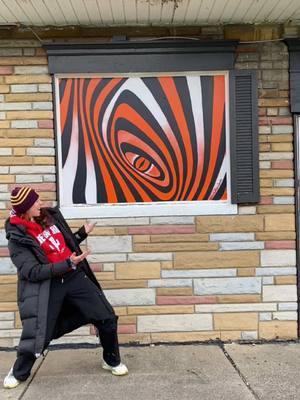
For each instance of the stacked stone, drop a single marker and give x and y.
(278, 260)
(26, 151)
(170, 278)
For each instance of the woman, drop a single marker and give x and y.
(57, 291)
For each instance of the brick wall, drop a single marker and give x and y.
(169, 278)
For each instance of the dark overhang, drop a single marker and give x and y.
(141, 56)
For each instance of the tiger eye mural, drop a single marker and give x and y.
(142, 139)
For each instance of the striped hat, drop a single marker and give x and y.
(22, 198)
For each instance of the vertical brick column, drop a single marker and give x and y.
(26, 152)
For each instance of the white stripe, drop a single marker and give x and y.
(70, 167)
(219, 179)
(91, 184)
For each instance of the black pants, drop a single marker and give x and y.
(79, 291)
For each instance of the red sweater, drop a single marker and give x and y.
(50, 239)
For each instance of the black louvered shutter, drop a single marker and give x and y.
(295, 91)
(244, 137)
(294, 53)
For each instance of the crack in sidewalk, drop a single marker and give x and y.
(32, 377)
(243, 378)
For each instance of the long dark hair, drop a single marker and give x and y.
(44, 219)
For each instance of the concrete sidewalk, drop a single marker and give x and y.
(165, 372)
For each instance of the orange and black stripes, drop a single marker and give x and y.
(148, 139)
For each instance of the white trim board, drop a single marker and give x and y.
(149, 210)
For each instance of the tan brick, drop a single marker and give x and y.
(246, 272)
(273, 103)
(282, 146)
(18, 322)
(278, 330)
(276, 138)
(196, 237)
(230, 335)
(16, 161)
(124, 284)
(13, 79)
(138, 270)
(18, 151)
(276, 173)
(7, 178)
(141, 239)
(44, 160)
(12, 97)
(167, 247)
(216, 259)
(78, 223)
(264, 147)
(120, 310)
(101, 231)
(15, 115)
(4, 213)
(239, 298)
(146, 310)
(8, 279)
(47, 195)
(274, 208)
(27, 133)
(127, 319)
(286, 280)
(280, 222)
(275, 235)
(238, 223)
(104, 276)
(185, 336)
(4, 88)
(121, 230)
(23, 61)
(236, 321)
(277, 191)
(4, 124)
(265, 183)
(166, 264)
(141, 338)
(8, 306)
(17, 142)
(180, 291)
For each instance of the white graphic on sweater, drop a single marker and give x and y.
(47, 235)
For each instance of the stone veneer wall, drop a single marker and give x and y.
(169, 278)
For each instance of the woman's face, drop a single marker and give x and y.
(34, 210)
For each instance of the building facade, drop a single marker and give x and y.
(189, 176)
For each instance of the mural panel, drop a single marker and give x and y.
(143, 139)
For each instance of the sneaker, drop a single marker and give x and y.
(119, 370)
(10, 381)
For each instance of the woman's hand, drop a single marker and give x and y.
(89, 226)
(77, 259)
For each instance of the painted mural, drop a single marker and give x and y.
(143, 139)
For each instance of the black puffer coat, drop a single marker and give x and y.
(34, 278)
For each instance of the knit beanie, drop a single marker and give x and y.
(22, 198)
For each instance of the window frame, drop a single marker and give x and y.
(168, 208)
(147, 57)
